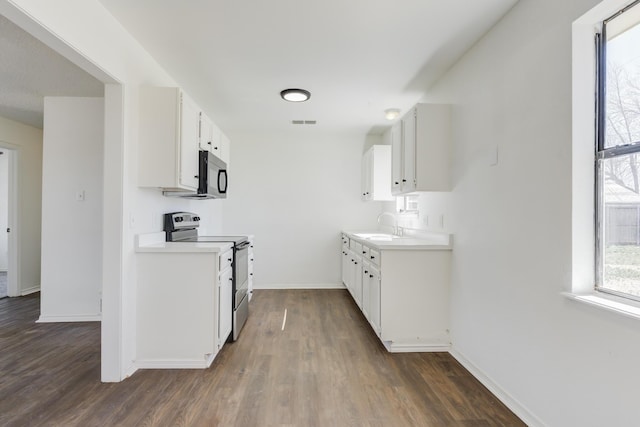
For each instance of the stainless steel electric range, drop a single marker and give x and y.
(183, 227)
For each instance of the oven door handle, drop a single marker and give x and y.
(242, 246)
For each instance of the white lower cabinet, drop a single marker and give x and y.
(371, 295)
(183, 307)
(251, 259)
(225, 303)
(403, 294)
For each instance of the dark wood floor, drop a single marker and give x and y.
(325, 369)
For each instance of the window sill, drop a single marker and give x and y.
(607, 302)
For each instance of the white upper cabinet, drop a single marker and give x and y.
(168, 140)
(172, 131)
(212, 139)
(189, 124)
(376, 173)
(396, 158)
(421, 150)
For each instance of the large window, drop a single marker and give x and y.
(618, 155)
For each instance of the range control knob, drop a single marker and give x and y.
(179, 219)
(196, 218)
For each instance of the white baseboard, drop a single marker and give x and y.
(514, 405)
(300, 286)
(393, 347)
(31, 290)
(175, 363)
(72, 318)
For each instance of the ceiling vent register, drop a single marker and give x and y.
(303, 122)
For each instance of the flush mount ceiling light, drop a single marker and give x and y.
(295, 95)
(391, 113)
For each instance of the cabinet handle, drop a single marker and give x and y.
(231, 279)
(355, 262)
(251, 259)
(215, 148)
(404, 180)
(372, 257)
(364, 252)
(366, 272)
(209, 142)
(250, 274)
(229, 259)
(371, 276)
(397, 183)
(196, 176)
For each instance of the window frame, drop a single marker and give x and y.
(602, 153)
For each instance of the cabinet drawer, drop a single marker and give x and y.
(224, 260)
(374, 256)
(352, 244)
(358, 249)
(366, 252)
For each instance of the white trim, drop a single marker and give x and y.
(300, 286)
(72, 318)
(607, 302)
(175, 363)
(31, 290)
(510, 402)
(130, 370)
(394, 347)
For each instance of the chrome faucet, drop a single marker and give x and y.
(393, 217)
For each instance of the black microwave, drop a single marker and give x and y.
(212, 179)
(212, 176)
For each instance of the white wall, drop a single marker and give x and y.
(558, 363)
(26, 141)
(71, 228)
(295, 193)
(4, 208)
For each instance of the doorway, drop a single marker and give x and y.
(6, 156)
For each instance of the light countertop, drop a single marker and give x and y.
(425, 241)
(154, 242)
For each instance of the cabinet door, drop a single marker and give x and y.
(396, 158)
(409, 152)
(357, 280)
(189, 142)
(374, 299)
(250, 279)
(345, 267)
(206, 132)
(366, 289)
(225, 306)
(366, 175)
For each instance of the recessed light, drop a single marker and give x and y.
(391, 113)
(295, 95)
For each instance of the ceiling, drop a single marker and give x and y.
(29, 71)
(357, 57)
